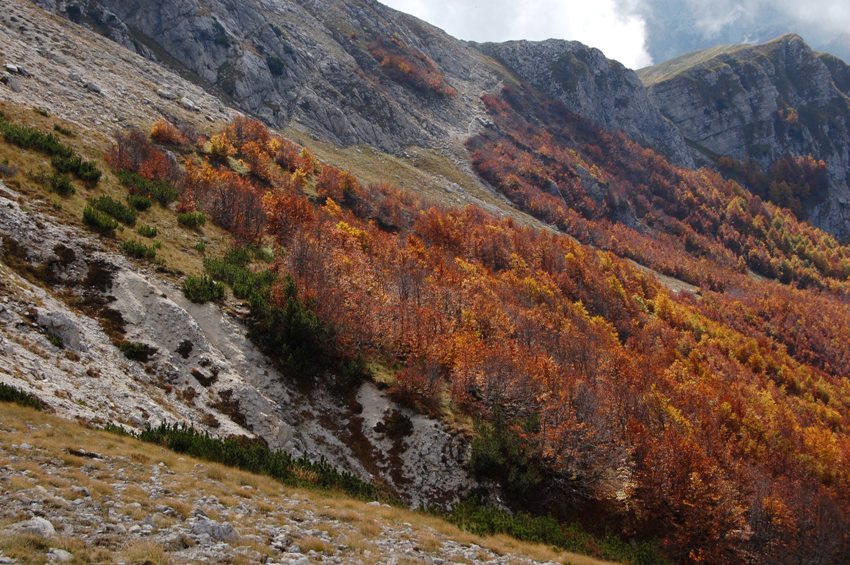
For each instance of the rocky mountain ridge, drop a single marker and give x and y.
(761, 103)
(346, 97)
(594, 87)
(261, 57)
(304, 63)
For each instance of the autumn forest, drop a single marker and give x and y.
(707, 409)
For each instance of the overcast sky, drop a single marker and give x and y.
(619, 27)
(610, 25)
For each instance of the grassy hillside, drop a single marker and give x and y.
(114, 498)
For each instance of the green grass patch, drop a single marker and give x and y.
(115, 209)
(17, 396)
(203, 289)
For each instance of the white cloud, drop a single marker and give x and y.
(613, 26)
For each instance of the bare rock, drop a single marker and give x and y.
(218, 531)
(35, 526)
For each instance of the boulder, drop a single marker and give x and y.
(188, 104)
(215, 530)
(35, 526)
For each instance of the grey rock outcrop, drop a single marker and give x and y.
(36, 526)
(203, 526)
(203, 369)
(762, 103)
(304, 63)
(595, 87)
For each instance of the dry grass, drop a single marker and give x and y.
(308, 544)
(146, 552)
(424, 173)
(347, 520)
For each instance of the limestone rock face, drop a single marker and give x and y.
(305, 63)
(762, 103)
(202, 369)
(594, 87)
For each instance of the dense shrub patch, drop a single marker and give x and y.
(60, 184)
(139, 250)
(140, 203)
(473, 516)
(191, 220)
(145, 230)
(136, 351)
(410, 66)
(158, 190)
(115, 209)
(203, 289)
(86, 171)
(64, 159)
(31, 138)
(18, 396)
(98, 220)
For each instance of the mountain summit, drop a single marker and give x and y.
(761, 104)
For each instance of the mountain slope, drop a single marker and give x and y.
(707, 421)
(592, 86)
(761, 104)
(313, 64)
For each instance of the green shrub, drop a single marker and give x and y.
(138, 250)
(203, 289)
(275, 65)
(136, 351)
(201, 247)
(246, 284)
(291, 333)
(60, 184)
(499, 454)
(160, 191)
(99, 220)
(84, 170)
(56, 340)
(146, 231)
(18, 396)
(255, 457)
(31, 138)
(191, 220)
(117, 210)
(473, 516)
(64, 158)
(140, 203)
